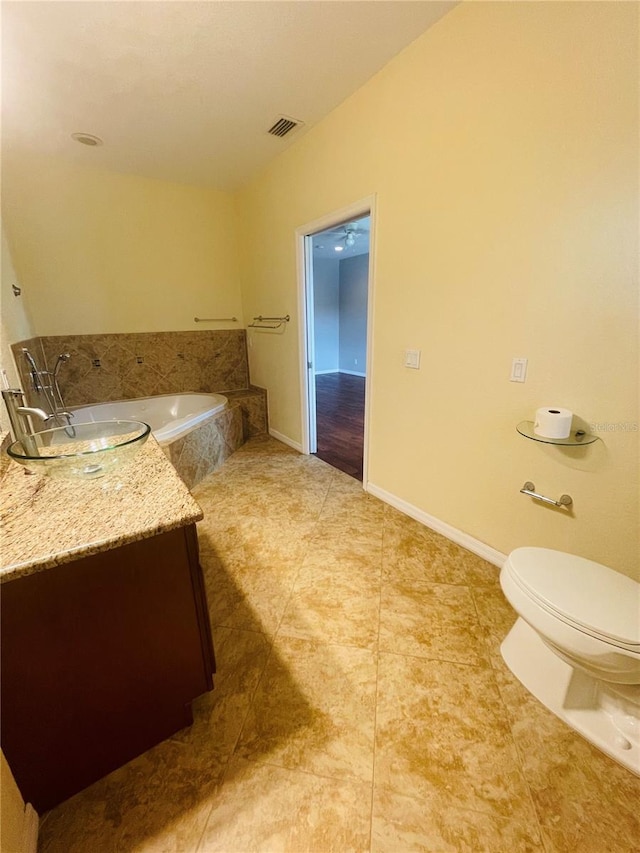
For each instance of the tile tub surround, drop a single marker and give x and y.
(205, 448)
(253, 404)
(355, 709)
(143, 364)
(172, 363)
(47, 522)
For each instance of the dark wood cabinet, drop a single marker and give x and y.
(101, 659)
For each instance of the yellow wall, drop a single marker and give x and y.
(502, 147)
(101, 252)
(15, 324)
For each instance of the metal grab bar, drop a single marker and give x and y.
(530, 489)
(279, 321)
(215, 319)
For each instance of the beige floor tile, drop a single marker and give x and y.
(494, 611)
(431, 621)
(75, 826)
(358, 558)
(346, 495)
(342, 482)
(341, 525)
(269, 484)
(241, 657)
(297, 561)
(581, 836)
(335, 600)
(442, 737)
(363, 555)
(247, 594)
(288, 502)
(402, 823)
(264, 541)
(266, 809)
(157, 803)
(314, 710)
(273, 463)
(495, 614)
(414, 553)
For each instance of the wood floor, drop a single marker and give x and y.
(340, 421)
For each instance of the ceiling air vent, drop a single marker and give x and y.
(284, 125)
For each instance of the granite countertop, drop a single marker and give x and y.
(45, 522)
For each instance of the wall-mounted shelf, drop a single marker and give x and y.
(575, 439)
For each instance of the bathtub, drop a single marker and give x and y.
(170, 416)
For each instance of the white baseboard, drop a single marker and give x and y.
(325, 372)
(458, 536)
(285, 439)
(30, 823)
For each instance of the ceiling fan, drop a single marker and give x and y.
(348, 234)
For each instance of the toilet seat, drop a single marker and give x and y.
(584, 595)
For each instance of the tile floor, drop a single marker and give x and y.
(361, 702)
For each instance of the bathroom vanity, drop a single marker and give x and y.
(105, 637)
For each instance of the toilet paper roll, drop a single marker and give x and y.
(553, 422)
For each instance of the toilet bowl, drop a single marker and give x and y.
(576, 644)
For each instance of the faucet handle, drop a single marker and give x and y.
(59, 417)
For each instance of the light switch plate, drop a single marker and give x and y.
(518, 370)
(412, 358)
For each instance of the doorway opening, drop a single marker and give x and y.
(336, 304)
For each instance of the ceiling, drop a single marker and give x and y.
(343, 241)
(186, 90)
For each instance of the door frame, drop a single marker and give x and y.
(304, 263)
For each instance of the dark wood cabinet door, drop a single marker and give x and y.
(101, 658)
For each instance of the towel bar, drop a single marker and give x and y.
(279, 321)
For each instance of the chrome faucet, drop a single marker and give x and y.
(38, 413)
(34, 373)
(18, 418)
(45, 385)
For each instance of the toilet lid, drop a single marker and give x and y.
(598, 600)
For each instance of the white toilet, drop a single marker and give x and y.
(576, 645)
